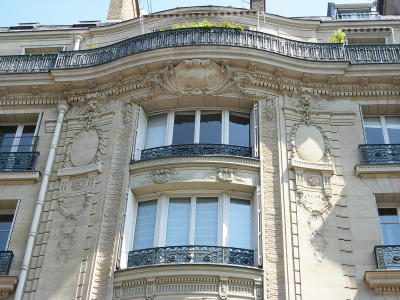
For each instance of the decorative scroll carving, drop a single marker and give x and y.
(305, 99)
(226, 174)
(163, 175)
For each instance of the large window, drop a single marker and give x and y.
(198, 127)
(382, 129)
(205, 220)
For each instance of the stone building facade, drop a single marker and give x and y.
(200, 163)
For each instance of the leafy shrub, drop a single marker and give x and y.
(206, 24)
(337, 37)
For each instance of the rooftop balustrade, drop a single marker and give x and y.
(360, 54)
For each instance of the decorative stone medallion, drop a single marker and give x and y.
(84, 148)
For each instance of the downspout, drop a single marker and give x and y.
(62, 110)
(78, 38)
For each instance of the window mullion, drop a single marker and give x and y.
(197, 126)
(225, 220)
(161, 221)
(384, 129)
(225, 127)
(170, 128)
(192, 229)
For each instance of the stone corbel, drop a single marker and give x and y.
(150, 288)
(326, 178)
(299, 174)
(223, 288)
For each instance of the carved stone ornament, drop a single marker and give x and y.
(304, 98)
(3, 91)
(162, 176)
(196, 77)
(226, 174)
(73, 199)
(35, 89)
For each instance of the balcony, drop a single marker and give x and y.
(5, 262)
(195, 150)
(191, 255)
(18, 153)
(387, 257)
(380, 154)
(370, 54)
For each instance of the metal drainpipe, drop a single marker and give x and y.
(62, 110)
(78, 38)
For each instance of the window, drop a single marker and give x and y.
(17, 147)
(198, 126)
(204, 220)
(382, 129)
(196, 132)
(6, 221)
(390, 227)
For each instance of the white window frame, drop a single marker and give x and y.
(223, 215)
(382, 119)
(387, 205)
(11, 211)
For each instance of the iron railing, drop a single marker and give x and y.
(387, 257)
(191, 254)
(380, 153)
(195, 150)
(18, 161)
(5, 261)
(201, 36)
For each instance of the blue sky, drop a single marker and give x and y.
(67, 12)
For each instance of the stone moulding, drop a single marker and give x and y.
(20, 176)
(320, 166)
(96, 168)
(7, 286)
(384, 282)
(191, 281)
(371, 170)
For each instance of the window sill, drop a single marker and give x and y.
(374, 169)
(384, 282)
(19, 176)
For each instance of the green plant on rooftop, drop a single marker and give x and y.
(337, 37)
(206, 24)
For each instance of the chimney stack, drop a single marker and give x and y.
(258, 5)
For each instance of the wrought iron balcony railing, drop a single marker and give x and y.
(5, 261)
(387, 257)
(18, 161)
(191, 254)
(195, 150)
(380, 153)
(201, 36)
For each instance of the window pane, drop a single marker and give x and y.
(390, 228)
(3, 239)
(239, 224)
(388, 215)
(178, 222)
(145, 224)
(239, 129)
(211, 127)
(26, 140)
(373, 130)
(156, 130)
(183, 128)
(393, 128)
(7, 135)
(206, 231)
(390, 234)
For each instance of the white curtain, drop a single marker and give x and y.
(156, 131)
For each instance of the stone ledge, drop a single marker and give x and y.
(319, 166)
(363, 170)
(93, 168)
(7, 285)
(19, 175)
(384, 282)
(189, 281)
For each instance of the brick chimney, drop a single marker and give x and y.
(257, 5)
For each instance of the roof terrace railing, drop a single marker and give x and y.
(360, 54)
